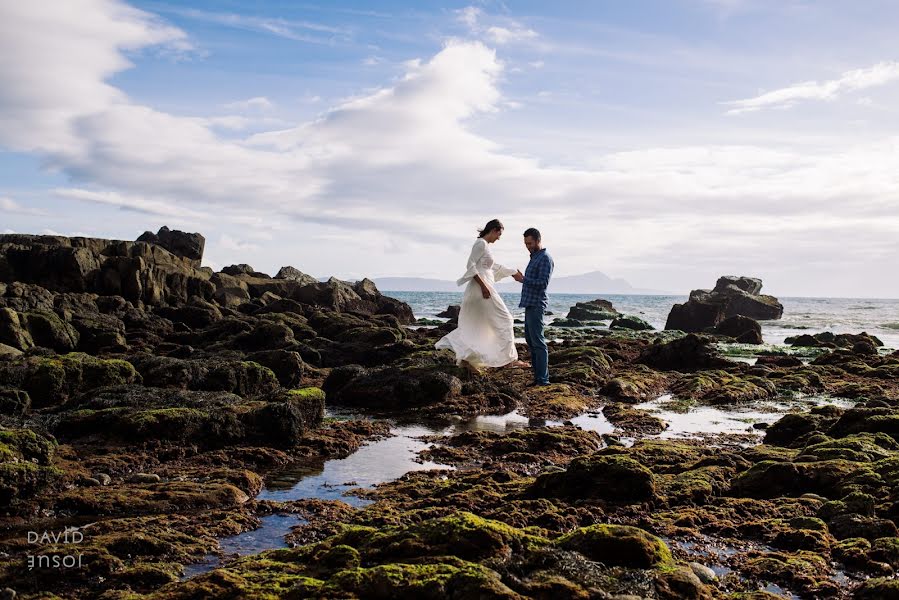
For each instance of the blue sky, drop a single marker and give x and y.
(664, 142)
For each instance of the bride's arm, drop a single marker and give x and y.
(500, 271)
(477, 251)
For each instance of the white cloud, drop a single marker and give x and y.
(299, 31)
(504, 35)
(147, 206)
(469, 16)
(72, 46)
(858, 79)
(509, 32)
(371, 61)
(403, 163)
(226, 242)
(8, 205)
(255, 103)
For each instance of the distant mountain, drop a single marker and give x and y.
(595, 282)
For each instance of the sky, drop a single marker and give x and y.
(664, 142)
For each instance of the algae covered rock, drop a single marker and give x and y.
(688, 353)
(25, 463)
(593, 310)
(630, 322)
(613, 478)
(618, 545)
(51, 381)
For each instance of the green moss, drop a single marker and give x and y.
(438, 580)
(308, 392)
(618, 545)
(878, 589)
(25, 444)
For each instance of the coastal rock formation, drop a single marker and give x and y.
(743, 329)
(827, 339)
(140, 272)
(179, 243)
(451, 312)
(593, 310)
(154, 425)
(731, 296)
(630, 322)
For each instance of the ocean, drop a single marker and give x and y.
(801, 315)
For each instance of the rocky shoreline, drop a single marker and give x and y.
(145, 400)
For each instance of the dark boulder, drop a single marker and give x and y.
(244, 269)
(863, 341)
(247, 379)
(451, 312)
(613, 478)
(731, 296)
(288, 366)
(688, 353)
(630, 322)
(593, 310)
(390, 387)
(179, 243)
(295, 275)
(743, 329)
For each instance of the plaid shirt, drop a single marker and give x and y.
(536, 278)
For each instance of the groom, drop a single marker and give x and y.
(533, 299)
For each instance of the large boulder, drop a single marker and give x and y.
(731, 296)
(141, 272)
(390, 387)
(134, 414)
(295, 275)
(743, 329)
(451, 312)
(179, 243)
(613, 478)
(688, 353)
(594, 310)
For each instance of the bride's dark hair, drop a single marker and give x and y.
(490, 226)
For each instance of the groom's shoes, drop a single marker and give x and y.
(537, 384)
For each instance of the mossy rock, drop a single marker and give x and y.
(804, 571)
(425, 581)
(461, 534)
(14, 402)
(617, 545)
(639, 384)
(613, 478)
(51, 381)
(245, 378)
(25, 464)
(631, 322)
(864, 447)
(49, 330)
(880, 588)
(680, 583)
(828, 478)
(721, 387)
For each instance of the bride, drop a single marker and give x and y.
(484, 337)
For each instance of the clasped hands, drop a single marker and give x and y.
(518, 276)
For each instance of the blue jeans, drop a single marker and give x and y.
(533, 335)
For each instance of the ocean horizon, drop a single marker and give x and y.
(878, 317)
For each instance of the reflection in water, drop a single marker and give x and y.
(729, 419)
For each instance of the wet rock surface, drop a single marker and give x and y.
(150, 405)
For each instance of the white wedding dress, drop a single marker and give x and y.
(484, 337)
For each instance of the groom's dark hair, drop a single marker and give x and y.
(532, 233)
